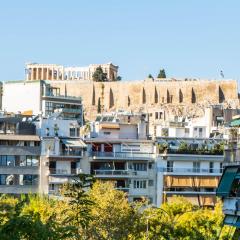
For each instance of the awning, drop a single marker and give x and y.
(74, 143)
(235, 123)
(109, 126)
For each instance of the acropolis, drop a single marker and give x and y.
(189, 95)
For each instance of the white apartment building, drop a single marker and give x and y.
(119, 151)
(189, 167)
(39, 98)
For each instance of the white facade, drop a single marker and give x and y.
(22, 97)
(60, 127)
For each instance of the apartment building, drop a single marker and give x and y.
(119, 151)
(40, 98)
(19, 156)
(189, 167)
(207, 122)
(62, 151)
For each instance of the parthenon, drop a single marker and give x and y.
(36, 71)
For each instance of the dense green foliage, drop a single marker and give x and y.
(162, 74)
(98, 211)
(99, 75)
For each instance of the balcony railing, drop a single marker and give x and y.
(194, 152)
(62, 171)
(71, 153)
(122, 155)
(193, 170)
(114, 172)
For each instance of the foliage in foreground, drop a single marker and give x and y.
(99, 211)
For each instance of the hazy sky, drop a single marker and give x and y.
(188, 38)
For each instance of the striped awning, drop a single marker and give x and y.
(74, 143)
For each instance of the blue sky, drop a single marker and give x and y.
(188, 38)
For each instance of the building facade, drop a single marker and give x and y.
(19, 157)
(39, 98)
(190, 168)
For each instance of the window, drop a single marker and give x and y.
(3, 179)
(3, 160)
(150, 165)
(169, 166)
(107, 133)
(150, 183)
(140, 184)
(7, 160)
(156, 115)
(32, 161)
(186, 130)
(221, 167)
(196, 166)
(160, 115)
(211, 167)
(72, 132)
(28, 179)
(140, 166)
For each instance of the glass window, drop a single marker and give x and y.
(3, 179)
(150, 183)
(72, 132)
(140, 184)
(196, 166)
(169, 166)
(35, 161)
(10, 160)
(211, 167)
(140, 166)
(3, 160)
(22, 161)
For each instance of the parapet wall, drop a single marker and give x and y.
(142, 95)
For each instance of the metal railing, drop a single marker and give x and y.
(114, 172)
(193, 170)
(122, 154)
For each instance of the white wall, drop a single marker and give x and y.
(21, 96)
(63, 125)
(128, 131)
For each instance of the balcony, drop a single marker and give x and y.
(195, 152)
(114, 173)
(54, 171)
(191, 171)
(124, 189)
(122, 155)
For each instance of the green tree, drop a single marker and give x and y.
(99, 75)
(80, 203)
(150, 76)
(114, 218)
(99, 106)
(162, 74)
